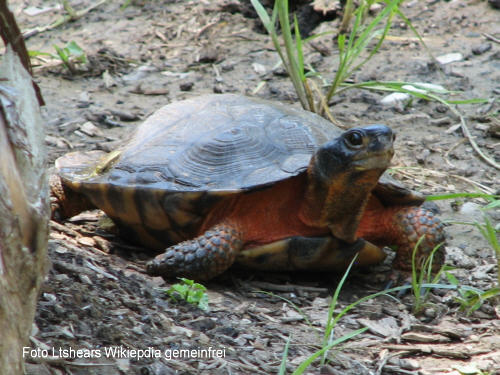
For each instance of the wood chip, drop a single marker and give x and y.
(418, 337)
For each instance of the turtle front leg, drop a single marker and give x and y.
(201, 258)
(410, 224)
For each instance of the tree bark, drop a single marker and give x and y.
(24, 210)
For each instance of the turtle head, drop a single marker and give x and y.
(341, 176)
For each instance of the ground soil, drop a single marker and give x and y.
(97, 296)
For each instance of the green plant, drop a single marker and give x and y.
(350, 47)
(422, 274)
(189, 291)
(69, 53)
(469, 298)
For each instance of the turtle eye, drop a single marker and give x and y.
(354, 139)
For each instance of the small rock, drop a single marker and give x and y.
(482, 48)
(208, 54)
(280, 71)
(90, 129)
(395, 99)
(186, 86)
(259, 68)
(471, 210)
(449, 58)
(441, 108)
(458, 258)
(422, 156)
(375, 8)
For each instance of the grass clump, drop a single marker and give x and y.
(471, 299)
(350, 45)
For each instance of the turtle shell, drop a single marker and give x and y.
(217, 142)
(190, 154)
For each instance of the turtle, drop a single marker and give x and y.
(225, 179)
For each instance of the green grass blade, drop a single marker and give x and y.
(461, 195)
(298, 48)
(294, 71)
(333, 303)
(264, 17)
(325, 349)
(282, 370)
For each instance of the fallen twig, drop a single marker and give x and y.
(71, 16)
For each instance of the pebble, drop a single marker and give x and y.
(395, 99)
(259, 68)
(471, 210)
(208, 54)
(186, 86)
(90, 129)
(422, 156)
(459, 258)
(449, 58)
(482, 48)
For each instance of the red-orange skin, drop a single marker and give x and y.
(273, 214)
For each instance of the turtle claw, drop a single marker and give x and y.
(201, 258)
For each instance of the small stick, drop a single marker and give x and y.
(71, 16)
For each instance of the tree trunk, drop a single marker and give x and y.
(24, 210)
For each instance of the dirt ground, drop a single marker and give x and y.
(97, 297)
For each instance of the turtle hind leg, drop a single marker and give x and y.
(201, 258)
(64, 202)
(411, 223)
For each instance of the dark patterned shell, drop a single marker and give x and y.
(219, 143)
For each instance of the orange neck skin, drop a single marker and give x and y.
(275, 213)
(377, 223)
